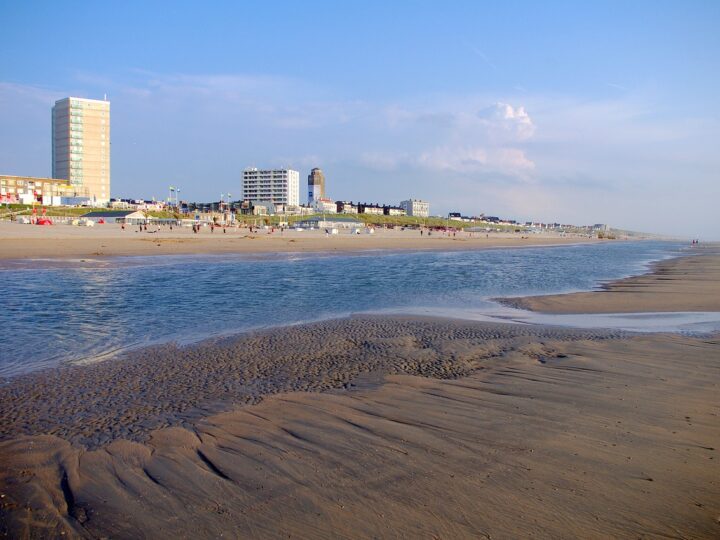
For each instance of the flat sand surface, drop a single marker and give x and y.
(18, 241)
(684, 284)
(372, 427)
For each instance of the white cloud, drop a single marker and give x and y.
(508, 161)
(502, 118)
(383, 161)
(12, 95)
(453, 158)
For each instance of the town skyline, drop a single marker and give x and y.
(586, 128)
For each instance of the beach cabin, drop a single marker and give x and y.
(128, 217)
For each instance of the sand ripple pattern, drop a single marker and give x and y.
(174, 386)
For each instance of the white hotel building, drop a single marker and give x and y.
(279, 186)
(415, 207)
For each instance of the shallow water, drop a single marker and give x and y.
(72, 310)
(689, 323)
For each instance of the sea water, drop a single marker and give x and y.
(57, 311)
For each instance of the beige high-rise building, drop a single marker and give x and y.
(81, 146)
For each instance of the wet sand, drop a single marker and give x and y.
(689, 283)
(372, 427)
(60, 241)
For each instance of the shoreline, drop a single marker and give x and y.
(688, 282)
(62, 242)
(71, 261)
(372, 426)
(89, 358)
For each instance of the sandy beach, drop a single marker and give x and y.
(29, 241)
(371, 427)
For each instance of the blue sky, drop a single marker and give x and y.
(532, 110)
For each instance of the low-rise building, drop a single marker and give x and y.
(45, 191)
(137, 204)
(393, 211)
(335, 222)
(372, 209)
(346, 207)
(416, 208)
(257, 208)
(457, 216)
(324, 206)
(293, 210)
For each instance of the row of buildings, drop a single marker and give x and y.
(266, 191)
(46, 191)
(81, 148)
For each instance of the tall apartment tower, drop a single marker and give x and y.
(278, 186)
(316, 185)
(81, 146)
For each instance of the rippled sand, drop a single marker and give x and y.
(164, 386)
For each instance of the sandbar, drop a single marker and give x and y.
(689, 283)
